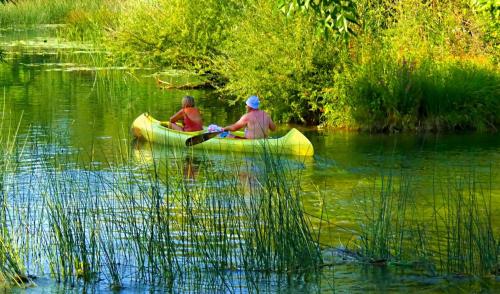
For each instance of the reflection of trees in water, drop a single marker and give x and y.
(16, 73)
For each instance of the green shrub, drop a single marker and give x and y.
(171, 33)
(392, 96)
(281, 59)
(416, 66)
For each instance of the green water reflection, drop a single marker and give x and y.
(48, 87)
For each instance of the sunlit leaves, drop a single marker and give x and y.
(491, 6)
(334, 17)
(491, 10)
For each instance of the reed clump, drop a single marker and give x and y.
(33, 12)
(389, 224)
(450, 234)
(151, 222)
(13, 270)
(466, 232)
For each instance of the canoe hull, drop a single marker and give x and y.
(149, 129)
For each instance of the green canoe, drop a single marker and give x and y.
(147, 128)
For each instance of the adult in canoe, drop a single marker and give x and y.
(257, 122)
(190, 116)
(145, 127)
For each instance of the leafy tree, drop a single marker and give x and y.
(280, 59)
(335, 17)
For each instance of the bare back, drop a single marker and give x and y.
(258, 124)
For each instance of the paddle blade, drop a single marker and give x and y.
(200, 138)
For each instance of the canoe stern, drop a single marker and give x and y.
(298, 144)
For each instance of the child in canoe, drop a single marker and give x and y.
(189, 114)
(257, 122)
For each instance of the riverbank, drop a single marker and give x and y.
(410, 66)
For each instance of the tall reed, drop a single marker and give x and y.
(12, 265)
(390, 230)
(177, 220)
(30, 12)
(450, 234)
(468, 239)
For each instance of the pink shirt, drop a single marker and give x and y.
(257, 122)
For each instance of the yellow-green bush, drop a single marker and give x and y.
(281, 59)
(414, 65)
(418, 66)
(28, 12)
(171, 33)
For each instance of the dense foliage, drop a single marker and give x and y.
(411, 65)
(172, 33)
(418, 66)
(288, 70)
(332, 16)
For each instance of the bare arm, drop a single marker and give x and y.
(179, 115)
(237, 125)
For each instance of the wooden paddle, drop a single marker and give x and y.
(201, 138)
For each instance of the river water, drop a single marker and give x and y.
(49, 87)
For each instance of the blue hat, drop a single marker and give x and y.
(253, 102)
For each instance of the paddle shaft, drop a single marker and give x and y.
(201, 138)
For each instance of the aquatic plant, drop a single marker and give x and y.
(388, 224)
(12, 266)
(452, 234)
(464, 226)
(148, 221)
(32, 12)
